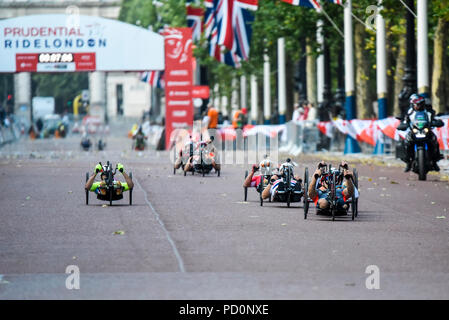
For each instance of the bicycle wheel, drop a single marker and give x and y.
(245, 189)
(131, 191)
(87, 191)
(356, 183)
(332, 204)
(306, 192)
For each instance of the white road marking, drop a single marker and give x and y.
(167, 234)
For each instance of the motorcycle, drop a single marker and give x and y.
(420, 127)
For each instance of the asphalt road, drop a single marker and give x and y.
(194, 238)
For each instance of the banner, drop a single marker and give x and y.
(373, 131)
(73, 43)
(178, 81)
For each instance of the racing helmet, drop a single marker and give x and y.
(417, 102)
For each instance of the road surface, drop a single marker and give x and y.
(194, 238)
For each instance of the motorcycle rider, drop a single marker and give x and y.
(100, 187)
(417, 104)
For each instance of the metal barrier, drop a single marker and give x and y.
(300, 137)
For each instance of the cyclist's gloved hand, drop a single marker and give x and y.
(321, 164)
(98, 168)
(347, 174)
(255, 168)
(317, 173)
(120, 167)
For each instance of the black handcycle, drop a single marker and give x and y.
(333, 178)
(110, 187)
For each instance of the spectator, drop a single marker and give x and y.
(295, 116)
(312, 114)
(238, 119)
(306, 109)
(212, 113)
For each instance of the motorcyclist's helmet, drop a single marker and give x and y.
(417, 102)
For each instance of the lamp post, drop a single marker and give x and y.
(409, 79)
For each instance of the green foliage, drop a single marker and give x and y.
(275, 19)
(63, 86)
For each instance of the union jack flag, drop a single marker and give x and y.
(154, 78)
(194, 20)
(315, 4)
(340, 2)
(228, 28)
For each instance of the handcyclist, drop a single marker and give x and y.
(277, 184)
(100, 188)
(253, 179)
(210, 156)
(319, 188)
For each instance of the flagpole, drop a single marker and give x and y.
(351, 145)
(254, 103)
(320, 63)
(281, 80)
(381, 71)
(266, 90)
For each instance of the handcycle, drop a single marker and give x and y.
(333, 178)
(110, 187)
(266, 171)
(287, 191)
(201, 158)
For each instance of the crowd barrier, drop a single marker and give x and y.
(10, 130)
(296, 137)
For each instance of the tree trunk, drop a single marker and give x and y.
(439, 98)
(311, 74)
(399, 74)
(364, 103)
(390, 73)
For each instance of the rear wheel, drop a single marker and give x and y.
(131, 191)
(306, 192)
(288, 199)
(185, 173)
(87, 191)
(245, 189)
(218, 173)
(355, 201)
(421, 165)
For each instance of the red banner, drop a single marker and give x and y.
(178, 81)
(200, 92)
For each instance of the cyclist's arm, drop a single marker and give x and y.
(90, 181)
(266, 191)
(129, 182)
(94, 186)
